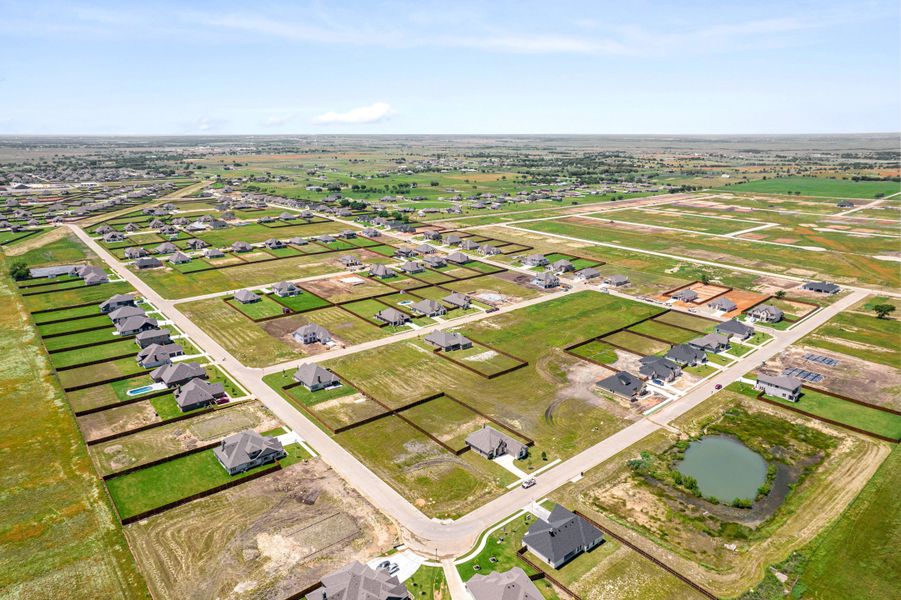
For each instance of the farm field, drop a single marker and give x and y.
(677, 220)
(817, 186)
(859, 333)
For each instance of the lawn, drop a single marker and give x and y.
(818, 186)
(366, 309)
(483, 359)
(858, 556)
(687, 321)
(301, 302)
(157, 485)
(447, 420)
(849, 413)
(99, 372)
(68, 358)
(636, 343)
(674, 219)
(86, 337)
(80, 295)
(263, 308)
(860, 334)
(428, 583)
(72, 326)
(597, 351)
(655, 328)
(344, 326)
(66, 313)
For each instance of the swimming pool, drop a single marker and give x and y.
(140, 390)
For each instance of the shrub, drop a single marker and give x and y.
(19, 271)
(741, 503)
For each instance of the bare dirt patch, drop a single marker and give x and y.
(267, 538)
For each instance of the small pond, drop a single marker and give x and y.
(724, 468)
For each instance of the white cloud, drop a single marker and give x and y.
(362, 114)
(276, 120)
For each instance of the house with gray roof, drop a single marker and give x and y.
(166, 248)
(452, 240)
(357, 581)
(113, 237)
(248, 449)
(712, 342)
(92, 275)
(246, 297)
(392, 316)
(545, 280)
(349, 260)
(428, 308)
(457, 300)
(448, 341)
(314, 378)
(489, 250)
(196, 244)
(780, 386)
(686, 295)
(147, 263)
(722, 304)
(133, 325)
(458, 258)
(821, 287)
(561, 266)
(274, 244)
(586, 274)
(176, 374)
(241, 247)
(285, 289)
(658, 367)
(766, 313)
(213, 253)
(412, 267)
(152, 336)
(736, 329)
(133, 253)
(535, 260)
(50, 272)
(687, 356)
(436, 262)
(491, 443)
(425, 249)
(198, 393)
(115, 302)
(512, 584)
(564, 536)
(381, 271)
(179, 258)
(312, 333)
(623, 384)
(155, 355)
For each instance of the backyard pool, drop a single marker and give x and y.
(141, 390)
(724, 468)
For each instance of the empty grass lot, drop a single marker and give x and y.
(819, 186)
(857, 332)
(99, 372)
(483, 359)
(597, 351)
(657, 329)
(68, 358)
(261, 309)
(862, 417)
(80, 295)
(158, 485)
(447, 420)
(301, 302)
(344, 326)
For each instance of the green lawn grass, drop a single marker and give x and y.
(819, 186)
(597, 351)
(863, 417)
(861, 335)
(301, 302)
(264, 307)
(91, 353)
(157, 485)
(428, 583)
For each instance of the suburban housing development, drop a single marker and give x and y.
(295, 307)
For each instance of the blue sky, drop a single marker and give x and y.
(421, 67)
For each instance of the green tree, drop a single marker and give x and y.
(883, 310)
(19, 271)
(780, 294)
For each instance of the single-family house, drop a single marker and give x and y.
(241, 247)
(535, 260)
(469, 245)
(452, 240)
(436, 262)
(247, 449)
(196, 244)
(274, 244)
(133, 253)
(780, 386)
(147, 262)
(624, 384)
(115, 302)
(176, 374)
(152, 336)
(155, 355)
(425, 249)
(166, 248)
(512, 584)
(489, 250)
(314, 378)
(491, 443)
(448, 341)
(179, 258)
(246, 297)
(392, 317)
(381, 271)
(562, 537)
(412, 267)
(722, 304)
(545, 280)
(458, 258)
(456, 299)
(133, 325)
(357, 581)
(123, 312)
(312, 333)
(616, 280)
(113, 236)
(428, 308)
(285, 289)
(766, 313)
(821, 287)
(735, 328)
(197, 393)
(561, 266)
(686, 295)
(586, 274)
(658, 367)
(712, 342)
(687, 356)
(213, 253)
(349, 260)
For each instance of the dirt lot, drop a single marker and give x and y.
(852, 377)
(345, 287)
(268, 538)
(170, 439)
(114, 420)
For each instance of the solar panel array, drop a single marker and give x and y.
(819, 359)
(803, 374)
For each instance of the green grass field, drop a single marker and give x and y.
(263, 308)
(817, 186)
(857, 332)
(301, 302)
(170, 481)
(830, 407)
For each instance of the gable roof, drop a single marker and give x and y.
(311, 374)
(686, 354)
(197, 391)
(242, 447)
(513, 584)
(780, 381)
(735, 327)
(489, 440)
(177, 372)
(622, 382)
(357, 581)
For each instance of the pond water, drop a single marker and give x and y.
(724, 468)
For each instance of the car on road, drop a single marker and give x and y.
(528, 483)
(718, 386)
